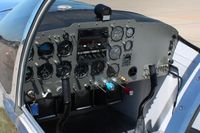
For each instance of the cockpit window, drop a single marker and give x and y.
(61, 5)
(12, 28)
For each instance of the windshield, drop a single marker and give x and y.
(69, 5)
(184, 15)
(12, 28)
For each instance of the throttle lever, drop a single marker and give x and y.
(66, 90)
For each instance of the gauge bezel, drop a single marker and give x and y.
(50, 71)
(85, 73)
(94, 67)
(64, 43)
(117, 67)
(120, 37)
(119, 54)
(61, 65)
(125, 48)
(50, 54)
(116, 72)
(131, 34)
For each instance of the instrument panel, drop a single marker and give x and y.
(96, 54)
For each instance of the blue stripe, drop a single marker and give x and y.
(190, 69)
(186, 107)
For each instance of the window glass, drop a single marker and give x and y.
(12, 28)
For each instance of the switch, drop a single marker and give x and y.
(110, 86)
(34, 108)
(128, 91)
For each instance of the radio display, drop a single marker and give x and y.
(93, 36)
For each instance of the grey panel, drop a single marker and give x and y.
(151, 45)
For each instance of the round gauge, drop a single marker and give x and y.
(117, 33)
(97, 67)
(130, 32)
(128, 45)
(45, 71)
(63, 69)
(81, 70)
(65, 48)
(31, 54)
(113, 70)
(45, 50)
(29, 74)
(115, 52)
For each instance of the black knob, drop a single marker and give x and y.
(105, 34)
(132, 71)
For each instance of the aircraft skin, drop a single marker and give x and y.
(192, 87)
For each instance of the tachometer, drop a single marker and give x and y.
(65, 48)
(115, 52)
(117, 33)
(81, 70)
(45, 50)
(45, 71)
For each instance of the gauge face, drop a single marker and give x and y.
(31, 54)
(117, 33)
(97, 67)
(29, 74)
(113, 70)
(128, 45)
(65, 48)
(81, 70)
(130, 32)
(63, 69)
(45, 71)
(45, 50)
(115, 52)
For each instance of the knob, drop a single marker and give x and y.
(31, 94)
(110, 86)
(105, 34)
(128, 91)
(132, 71)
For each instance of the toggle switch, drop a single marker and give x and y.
(128, 91)
(110, 86)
